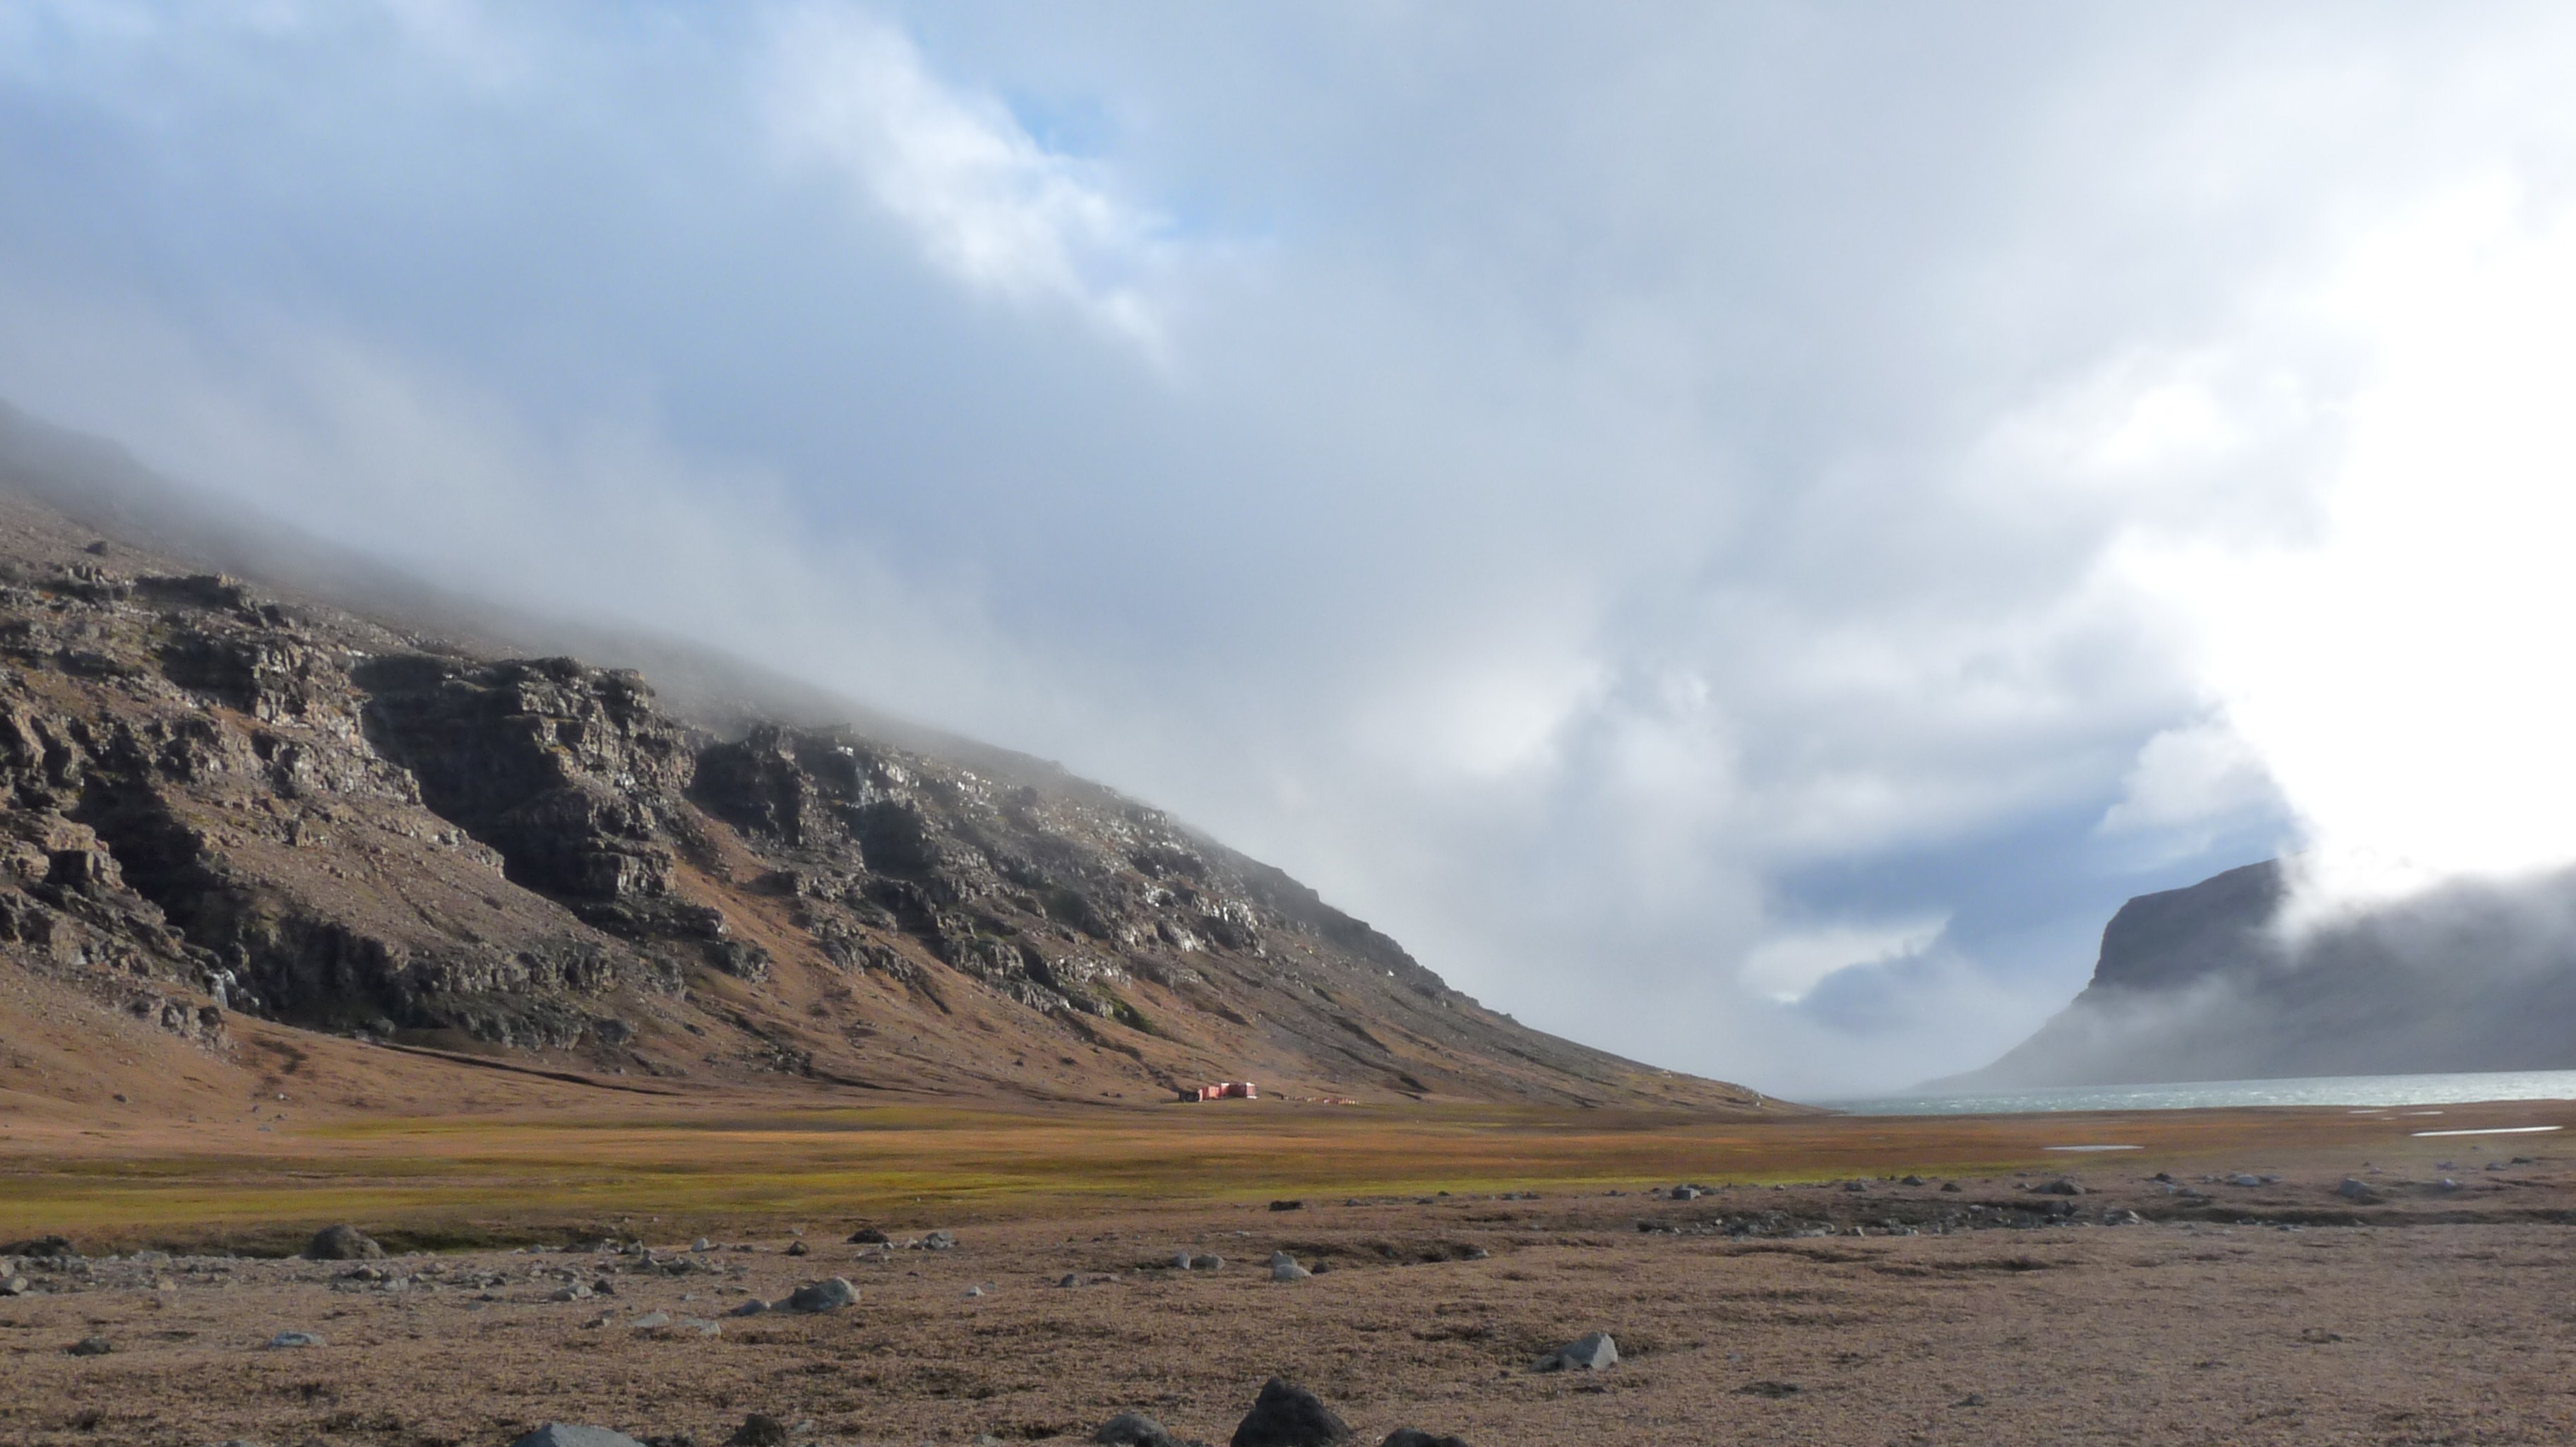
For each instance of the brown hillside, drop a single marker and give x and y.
(379, 835)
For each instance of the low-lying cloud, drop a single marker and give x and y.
(1739, 536)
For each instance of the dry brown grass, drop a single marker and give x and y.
(538, 1172)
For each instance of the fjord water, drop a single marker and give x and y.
(2346, 1090)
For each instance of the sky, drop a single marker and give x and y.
(1738, 533)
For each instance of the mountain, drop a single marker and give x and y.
(221, 798)
(2205, 983)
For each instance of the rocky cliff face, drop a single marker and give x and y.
(2201, 984)
(213, 801)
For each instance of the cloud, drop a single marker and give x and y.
(2392, 670)
(1652, 513)
(983, 199)
(2187, 781)
(1788, 967)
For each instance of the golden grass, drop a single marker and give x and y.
(456, 1179)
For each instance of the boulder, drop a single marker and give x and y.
(1678, 1193)
(753, 1307)
(1132, 1429)
(1416, 1437)
(1287, 1415)
(938, 1241)
(90, 1346)
(1207, 1263)
(830, 1294)
(1288, 1271)
(1591, 1352)
(1181, 1261)
(564, 1434)
(798, 1248)
(870, 1236)
(343, 1242)
(2356, 1190)
(289, 1340)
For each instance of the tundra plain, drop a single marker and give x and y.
(1812, 1293)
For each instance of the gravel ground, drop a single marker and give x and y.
(1996, 1314)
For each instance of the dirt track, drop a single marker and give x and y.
(2445, 1320)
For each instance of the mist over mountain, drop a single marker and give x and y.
(2211, 982)
(1741, 533)
(219, 796)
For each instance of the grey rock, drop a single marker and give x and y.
(564, 1434)
(1287, 1415)
(1069, 1279)
(759, 1430)
(1591, 1352)
(753, 1307)
(938, 1241)
(90, 1346)
(1679, 1193)
(287, 1340)
(1181, 1261)
(2355, 1189)
(1288, 1271)
(1207, 1263)
(574, 1292)
(798, 1248)
(2242, 1179)
(343, 1242)
(14, 1286)
(830, 1294)
(702, 1244)
(650, 1320)
(2059, 1187)
(870, 1236)
(1131, 1429)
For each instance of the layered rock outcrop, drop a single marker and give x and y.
(216, 798)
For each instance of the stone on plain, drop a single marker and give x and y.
(287, 1339)
(1130, 1429)
(343, 1242)
(1287, 1415)
(565, 1434)
(829, 1294)
(1589, 1353)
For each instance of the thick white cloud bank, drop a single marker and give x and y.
(1739, 536)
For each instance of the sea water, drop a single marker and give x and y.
(2344, 1090)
